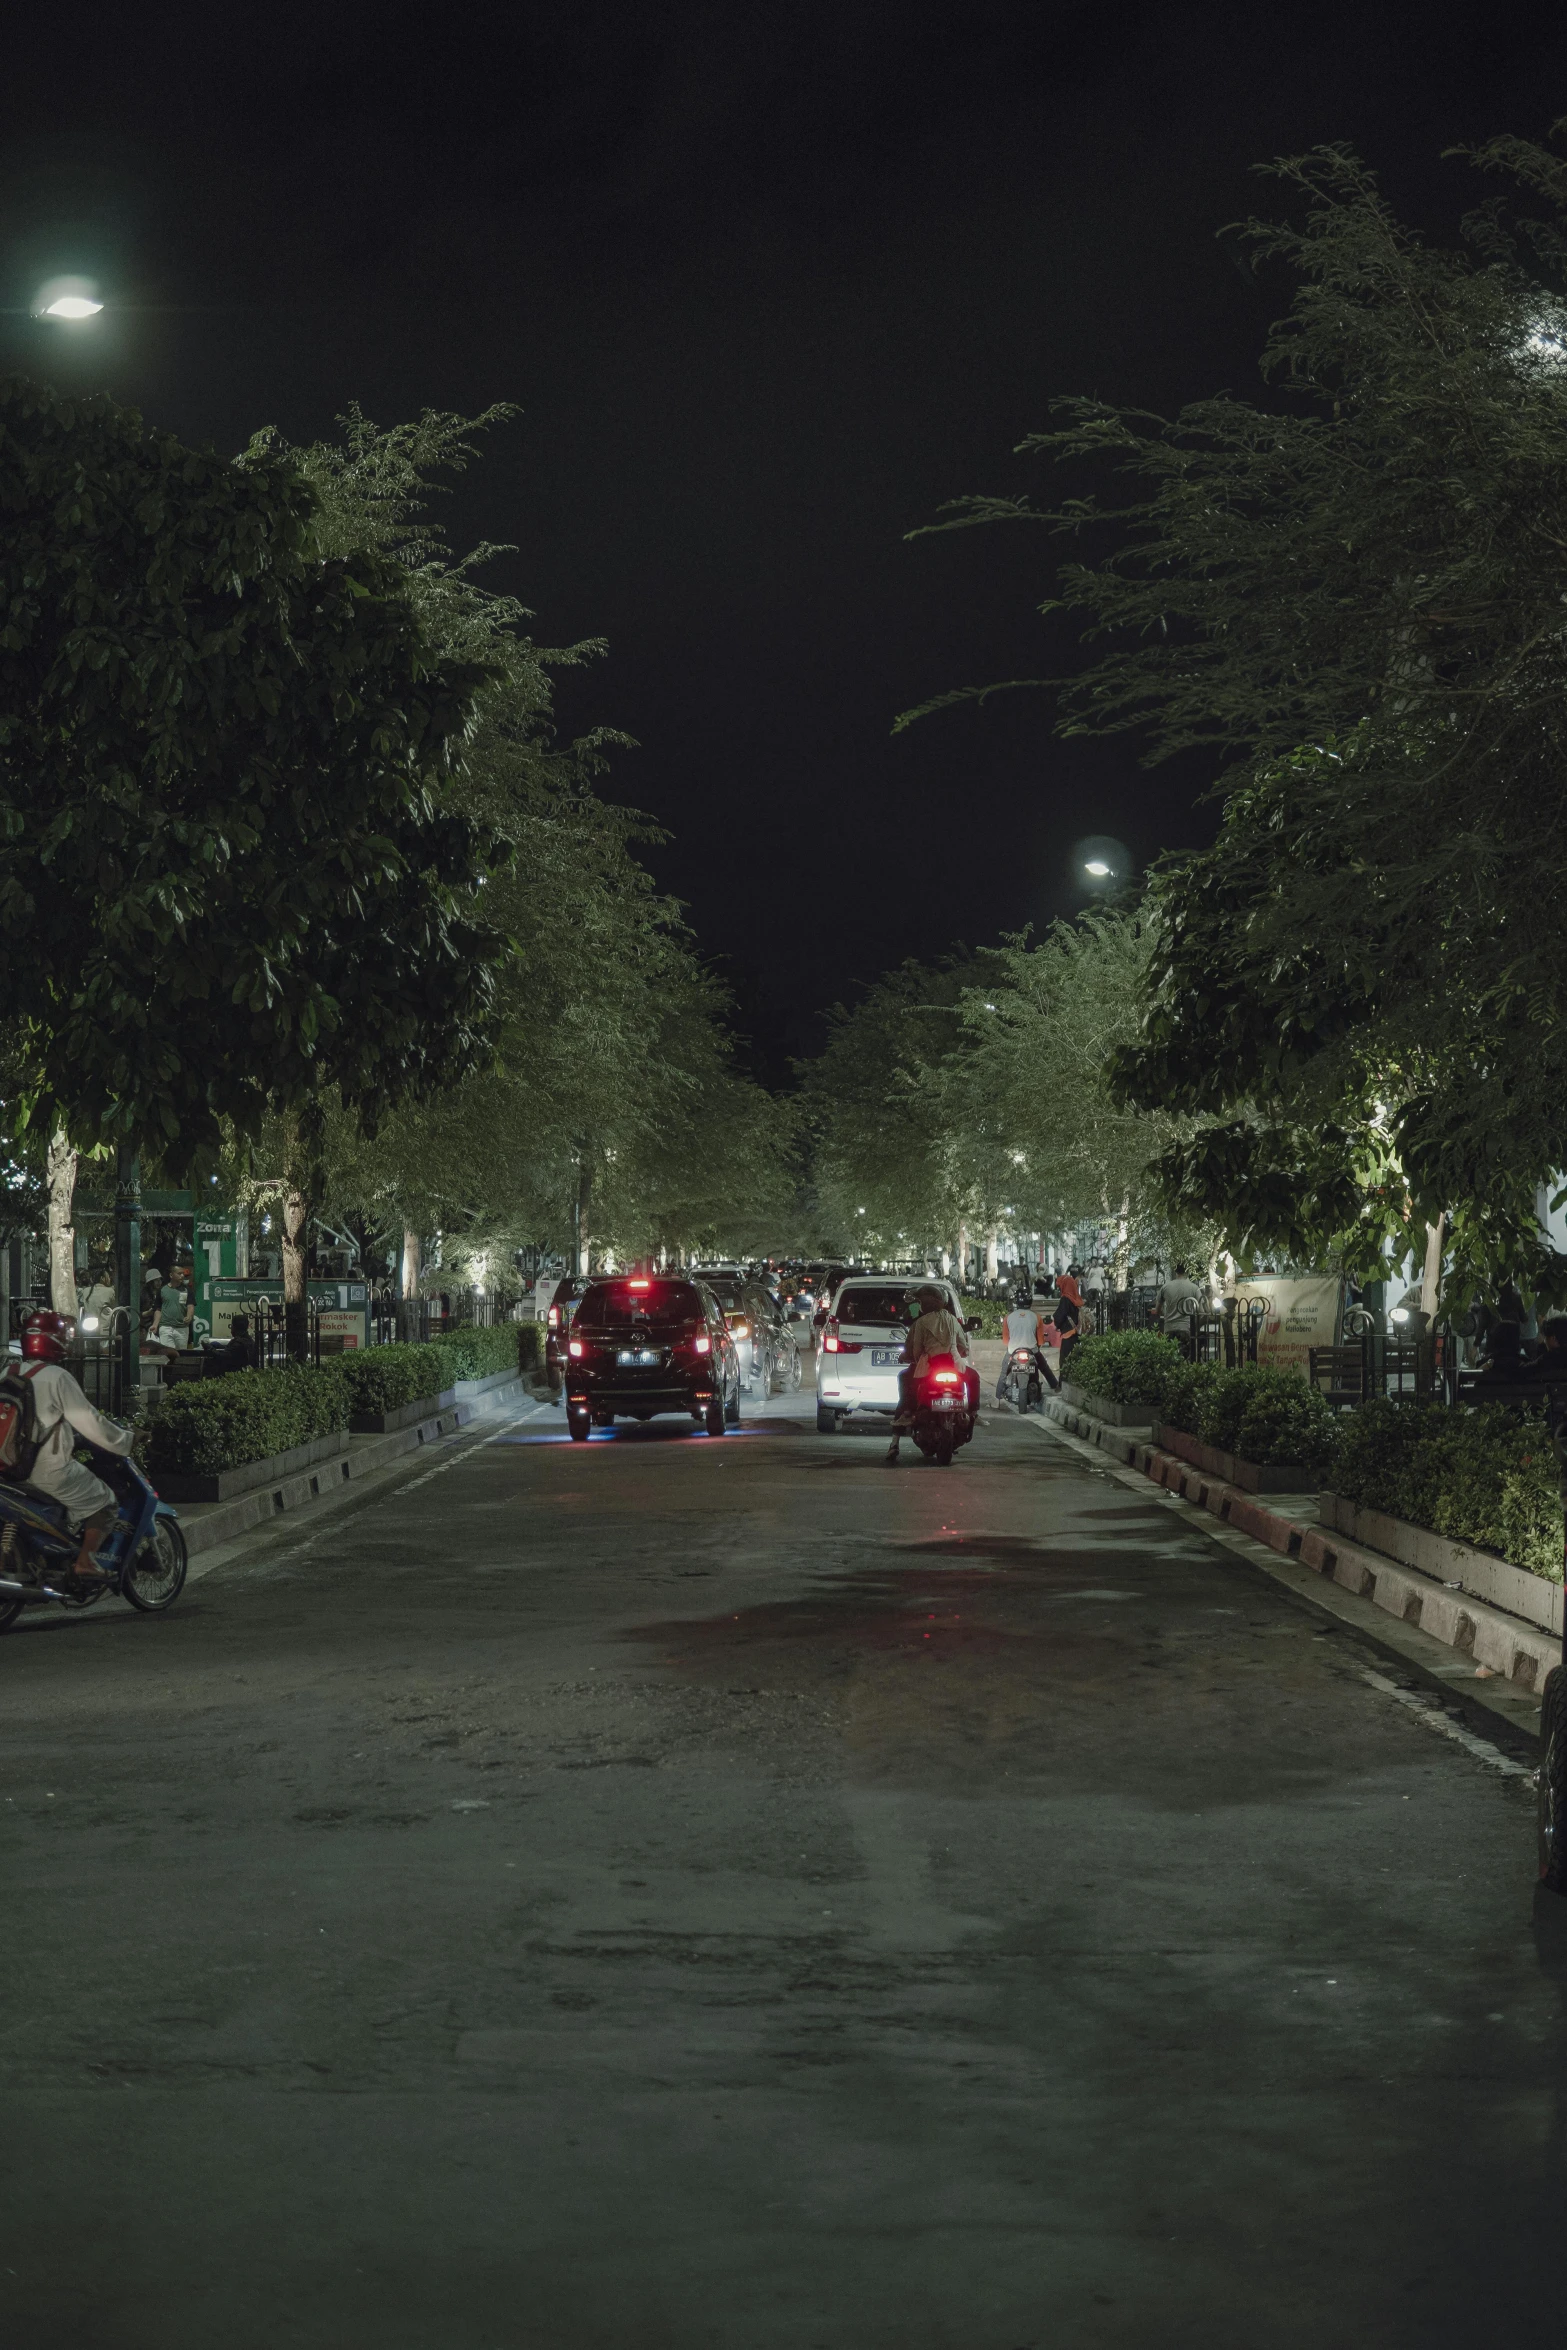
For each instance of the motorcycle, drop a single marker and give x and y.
(1022, 1387)
(944, 1415)
(142, 1558)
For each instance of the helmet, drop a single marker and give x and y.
(931, 1298)
(46, 1336)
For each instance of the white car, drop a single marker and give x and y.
(860, 1352)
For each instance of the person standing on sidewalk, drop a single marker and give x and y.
(1179, 1299)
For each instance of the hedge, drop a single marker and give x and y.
(473, 1353)
(1124, 1366)
(1486, 1476)
(1270, 1416)
(204, 1426)
(385, 1376)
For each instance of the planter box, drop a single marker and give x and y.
(1250, 1476)
(228, 1482)
(403, 1415)
(1099, 1407)
(466, 1389)
(1474, 1571)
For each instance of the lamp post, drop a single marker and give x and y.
(127, 1269)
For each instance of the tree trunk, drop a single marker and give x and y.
(295, 1219)
(1431, 1277)
(992, 1255)
(408, 1283)
(1123, 1243)
(581, 1212)
(962, 1255)
(61, 1173)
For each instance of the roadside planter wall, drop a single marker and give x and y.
(1452, 1563)
(1250, 1476)
(226, 1483)
(1099, 1407)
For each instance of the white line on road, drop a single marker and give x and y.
(1430, 1712)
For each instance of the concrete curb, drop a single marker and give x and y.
(208, 1525)
(1503, 1643)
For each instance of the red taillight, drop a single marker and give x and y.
(639, 1284)
(945, 1378)
(702, 1346)
(554, 1317)
(575, 1347)
(832, 1344)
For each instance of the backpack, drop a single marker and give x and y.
(21, 1439)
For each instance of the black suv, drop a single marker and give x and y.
(641, 1345)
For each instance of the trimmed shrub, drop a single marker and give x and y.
(385, 1377)
(1125, 1366)
(204, 1426)
(990, 1312)
(1270, 1416)
(473, 1353)
(1488, 1476)
(530, 1349)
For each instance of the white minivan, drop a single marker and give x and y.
(860, 1350)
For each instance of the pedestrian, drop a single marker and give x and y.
(1068, 1317)
(1179, 1300)
(239, 1353)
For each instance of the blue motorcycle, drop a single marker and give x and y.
(142, 1557)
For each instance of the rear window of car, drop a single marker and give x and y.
(883, 1304)
(621, 1301)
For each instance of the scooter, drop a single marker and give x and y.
(1023, 1387)
(944, 1416)
(142, 1558)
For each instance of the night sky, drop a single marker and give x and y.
(768, 285)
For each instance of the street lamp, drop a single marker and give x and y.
(69, 298)
(1097, 867)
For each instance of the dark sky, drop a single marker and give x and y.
(768, 285)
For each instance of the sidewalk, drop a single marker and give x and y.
(1500, 1645)
(209, 1525)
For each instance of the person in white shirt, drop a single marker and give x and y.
(1024, 1326)
(63, 1413)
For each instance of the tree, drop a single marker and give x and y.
(1352, 597)
(611, 1074)
(228, 871)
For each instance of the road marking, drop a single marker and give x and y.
(1445, 1727)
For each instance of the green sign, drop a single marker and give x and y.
(343, 1307)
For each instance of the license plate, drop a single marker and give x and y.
(883, 1357)
(640, 1355)
(943, 1403)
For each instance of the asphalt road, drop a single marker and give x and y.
(679, 1892)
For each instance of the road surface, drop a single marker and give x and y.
(677, 1891)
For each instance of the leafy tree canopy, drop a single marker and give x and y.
(229, 868)
(1352, 594)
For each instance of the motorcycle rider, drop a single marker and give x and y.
(1025, 1326)
(63, 1413)
(937, 1332)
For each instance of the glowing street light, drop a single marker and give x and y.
(68, 298)
(1097, 867)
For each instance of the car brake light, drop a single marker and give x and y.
(574, 1347)
(702, 1346)
(639, 1284)
(946, 1378)
(554, 1317)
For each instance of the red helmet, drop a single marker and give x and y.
(46, 1336)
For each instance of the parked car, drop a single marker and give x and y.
(863, 1331)
(644, 1344)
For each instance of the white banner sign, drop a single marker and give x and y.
(1302, 1312)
